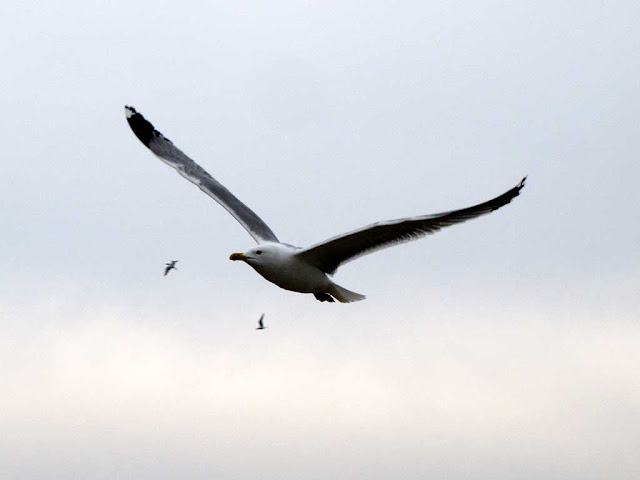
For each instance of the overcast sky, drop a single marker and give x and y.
(506, 347)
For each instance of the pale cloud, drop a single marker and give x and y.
(409, 394)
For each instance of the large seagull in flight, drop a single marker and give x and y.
(305, 270)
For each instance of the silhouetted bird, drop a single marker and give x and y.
(170, 266)
(260, 324)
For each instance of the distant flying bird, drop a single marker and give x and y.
(170, 266)
(260, 324)
(305, 270)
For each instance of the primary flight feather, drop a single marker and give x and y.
(305, 270)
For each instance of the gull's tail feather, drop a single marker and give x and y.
(343, 295)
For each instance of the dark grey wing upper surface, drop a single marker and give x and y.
(332, 253)
(164, 149)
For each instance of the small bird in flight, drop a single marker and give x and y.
(170, 266)
(306, 270)
(260, 324)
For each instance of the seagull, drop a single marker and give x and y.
(170, 266)
(260, 324)
(305, 270)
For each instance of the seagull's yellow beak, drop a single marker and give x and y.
(238, 256)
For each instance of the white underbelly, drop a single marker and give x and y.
(296, 276)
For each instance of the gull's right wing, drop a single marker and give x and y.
(332, 253)
(164, 149)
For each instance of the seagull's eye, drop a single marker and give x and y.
(258, 252)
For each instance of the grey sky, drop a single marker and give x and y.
(506, 347)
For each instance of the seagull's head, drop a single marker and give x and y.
(261, 255)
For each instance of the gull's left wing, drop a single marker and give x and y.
(332, 253)
(166, 151)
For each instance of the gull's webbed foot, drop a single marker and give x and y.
(324, 297)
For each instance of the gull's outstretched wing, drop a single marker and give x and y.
(164, 149)
(332, 253)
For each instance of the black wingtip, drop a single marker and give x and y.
(142, 128)
(515, 191)
(506, 197)
(521, 184)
